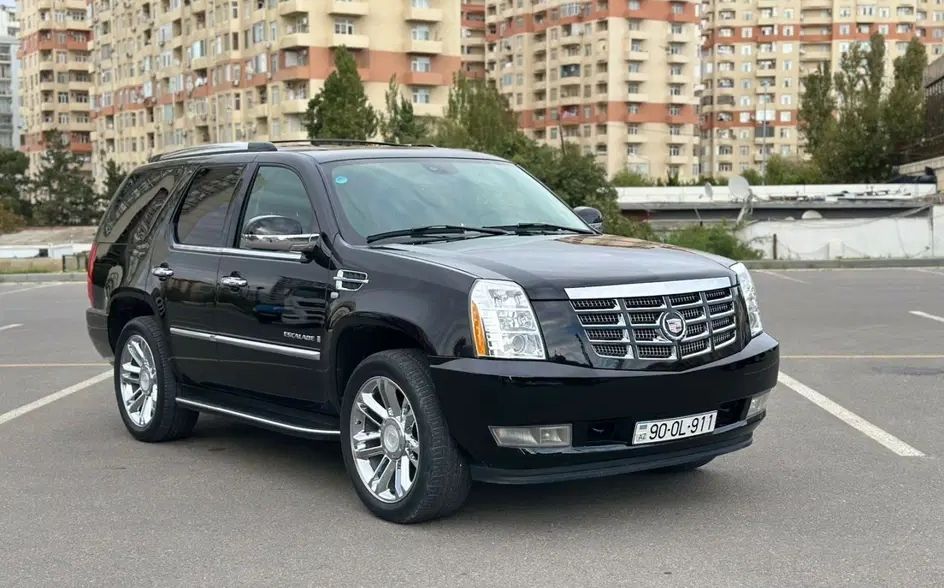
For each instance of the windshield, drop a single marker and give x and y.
(381, 195)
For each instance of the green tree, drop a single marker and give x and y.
(906, 98)
(14, 183)
(478, 117)
(817, 123)
(64, 192)
(399, 124)
(627, 178)
(782, 171)
(114, 176)
(853, 125)
(341, 110)
(9, 220)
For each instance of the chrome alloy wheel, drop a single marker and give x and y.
(384, 439)
(138, 381)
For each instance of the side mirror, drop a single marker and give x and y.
(272, 232)
(591, 216)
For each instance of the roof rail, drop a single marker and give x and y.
(325, 141)
(216, 149)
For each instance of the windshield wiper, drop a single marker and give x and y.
(521, 228)
(434, 230)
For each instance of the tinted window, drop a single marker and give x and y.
(137, 202)
(279, 191)
(203, 213)
(392, 194)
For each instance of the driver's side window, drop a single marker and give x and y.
(278, 191)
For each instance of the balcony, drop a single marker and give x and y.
(298, 105)
(424, 14)
(636, 54)
(77, 86)
(426, 109)
(346, 7)
(428, 47)
(422, 78)
(289, 7)
(302, 38)
(678, 58)
(198, 63)
(350, 41)
(260, 111)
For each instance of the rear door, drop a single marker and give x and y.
(272, 303)
(185, 266)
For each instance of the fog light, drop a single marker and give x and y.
(546, 436)
(758, 404)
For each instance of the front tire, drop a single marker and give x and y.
(404, 463)
(145, 386)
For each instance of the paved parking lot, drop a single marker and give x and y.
(842, 486)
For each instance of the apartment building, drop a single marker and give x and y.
(617, 77)
(177, 73)
(55, 75)
(756, 53)
(10, 124)
(473, 38)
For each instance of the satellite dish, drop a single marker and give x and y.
(740, 191)
(709, 192)
(811, 215)
(739, 187)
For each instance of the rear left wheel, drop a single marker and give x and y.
(145, 386)
(405, 465)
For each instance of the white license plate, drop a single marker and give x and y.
(669, 429)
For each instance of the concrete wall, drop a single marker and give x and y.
(722, 194)
(853, 238)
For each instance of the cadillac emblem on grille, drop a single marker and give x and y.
(673, 325)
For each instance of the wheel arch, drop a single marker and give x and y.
(125, 305)
(355, 336)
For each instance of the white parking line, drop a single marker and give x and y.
(894, 444)
(26, 408)
(927, 271)
(5, 292)
(781, 276)
(926, 315)
(8, 327)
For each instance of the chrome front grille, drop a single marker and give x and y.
(636, 321)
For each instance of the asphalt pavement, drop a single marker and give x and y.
(842, 486)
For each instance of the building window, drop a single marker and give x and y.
(343, 26)
(421, 96)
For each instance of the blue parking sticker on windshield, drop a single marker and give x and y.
(340, 180)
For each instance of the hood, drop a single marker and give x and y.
(546, 264)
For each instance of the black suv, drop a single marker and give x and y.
(441, 312)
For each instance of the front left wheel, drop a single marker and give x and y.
(404, 463)
(145, 386)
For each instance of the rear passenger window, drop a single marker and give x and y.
(279, 191)
(203, 213)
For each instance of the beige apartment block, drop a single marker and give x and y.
(756, 53)
(617, 77)
(473, 38)
(177, 73)
(55, 79)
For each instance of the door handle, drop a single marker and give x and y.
(233, 281)
(162, 272)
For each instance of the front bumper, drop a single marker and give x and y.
(602, 406)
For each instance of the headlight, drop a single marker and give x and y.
(503, 322)
(750, 297)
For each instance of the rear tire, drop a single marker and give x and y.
(430, 477)
(145, 386)
(685, 467)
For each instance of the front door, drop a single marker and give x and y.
(272, 303)
(185, 266)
